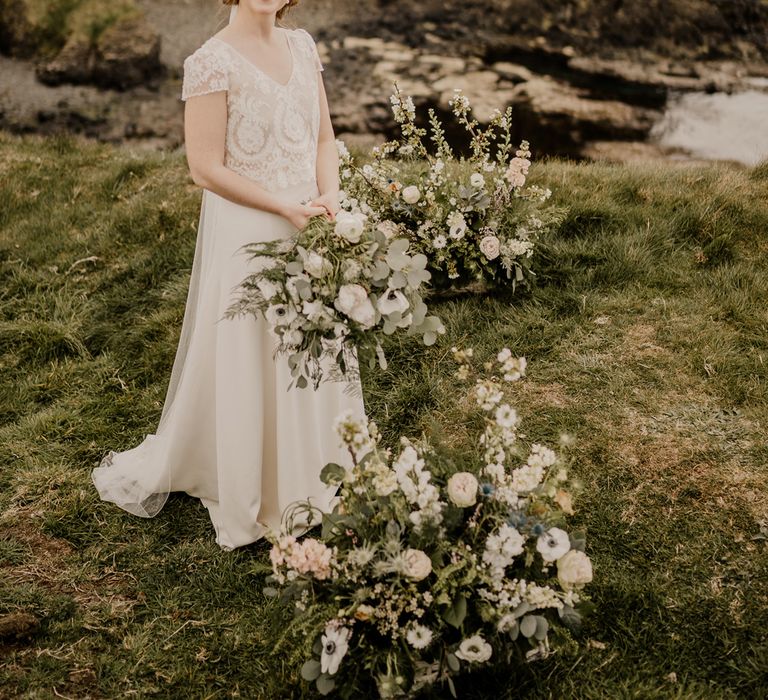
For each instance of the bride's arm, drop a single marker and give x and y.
(205, 126)
(327, 157)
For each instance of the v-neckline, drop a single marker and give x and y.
(256, 68)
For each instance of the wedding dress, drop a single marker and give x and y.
(230, 433)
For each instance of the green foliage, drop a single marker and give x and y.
(44, 26)
(653, 359)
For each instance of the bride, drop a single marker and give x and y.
(260, 143)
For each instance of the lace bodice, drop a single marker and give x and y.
(272, 128)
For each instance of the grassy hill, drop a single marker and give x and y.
(647, 339)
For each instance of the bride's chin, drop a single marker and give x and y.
(263, 6)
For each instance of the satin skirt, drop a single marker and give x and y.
(231, 433)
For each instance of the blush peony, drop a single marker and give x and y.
(417, 564)
(490, 247)
(462, 489)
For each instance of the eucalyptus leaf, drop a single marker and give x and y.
(542, 627)
(310, 671)
(528, 626)
(325, 684)
(453, 662)
(570, 617)
(332, 474)
(382, 358)
(393, 530)
(381, 270)
(521, 609)
(419, 312)
(398, 280)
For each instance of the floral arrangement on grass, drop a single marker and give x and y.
(423, 572)
(332, 291)
(475, 217)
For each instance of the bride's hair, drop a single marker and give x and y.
(280, 13)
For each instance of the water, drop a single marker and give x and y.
(717, 126)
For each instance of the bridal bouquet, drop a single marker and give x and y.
(330, 292)
(425, 571)
(475, 217)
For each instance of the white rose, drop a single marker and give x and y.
(354, 302)
(574, 569)
(417, 564)
(474, 649)
(316, 265)
(350, 226)
(462, 489)
(490, 247)
(392, 301)
(411, 194)
(477, 180)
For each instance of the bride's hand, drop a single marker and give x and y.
(329, 202)
(300, 214)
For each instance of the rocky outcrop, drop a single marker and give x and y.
(109, 45)
(126, 54)
(574, 88)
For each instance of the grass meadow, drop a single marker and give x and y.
(647, 340)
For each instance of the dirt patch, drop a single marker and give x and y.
(640, 342)
(50, 567)
(676, 453)
(17, 626)
(551, 394)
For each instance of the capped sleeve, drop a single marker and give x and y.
(205, 71)
(311, 48)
